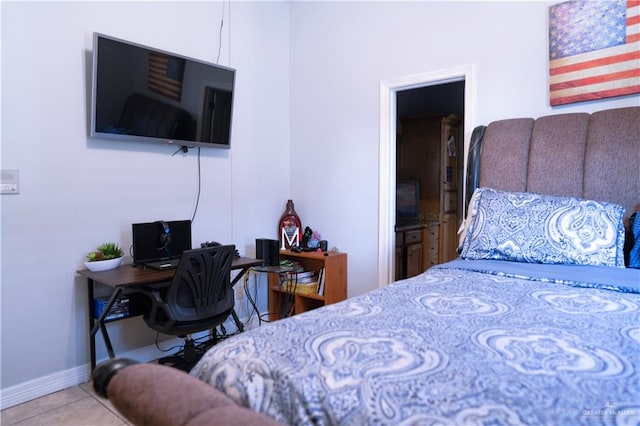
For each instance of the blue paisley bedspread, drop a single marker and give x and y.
(448, 347)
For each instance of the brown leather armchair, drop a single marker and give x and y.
(153, 394)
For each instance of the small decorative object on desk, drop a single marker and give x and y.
(311, 240)
(105, 257)
(290, 227)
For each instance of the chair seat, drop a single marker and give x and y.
(187, 327)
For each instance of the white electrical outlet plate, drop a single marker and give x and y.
(10, 182)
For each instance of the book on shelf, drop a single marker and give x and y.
(300, 282)
(303, 277)
(296, 287)
(301, 274)
(321, 282)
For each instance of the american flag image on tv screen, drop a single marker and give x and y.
(594, 50)
(165, 75)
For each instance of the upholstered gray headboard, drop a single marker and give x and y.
(594, 156)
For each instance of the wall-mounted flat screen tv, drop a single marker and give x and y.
(149, 95)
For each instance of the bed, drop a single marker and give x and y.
(537, 322)
(477, 340)
(461, 344)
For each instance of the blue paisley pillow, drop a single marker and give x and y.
(634, 231)
(536, 228)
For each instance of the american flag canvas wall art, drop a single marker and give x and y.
(594, 50)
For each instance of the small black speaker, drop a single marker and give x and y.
(268, 250)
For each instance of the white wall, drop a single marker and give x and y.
(77, 192)
(341, 51)
(305, 127)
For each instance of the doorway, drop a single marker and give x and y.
(428, 160)
(392, 94)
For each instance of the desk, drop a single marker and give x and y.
(127, 277)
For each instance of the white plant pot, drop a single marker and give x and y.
(103, 265)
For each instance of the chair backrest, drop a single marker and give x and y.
(201, 287)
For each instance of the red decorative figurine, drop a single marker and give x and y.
(290, 228)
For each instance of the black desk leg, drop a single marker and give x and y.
(236, 319)
(92, 337)
(235, 280)
(101, 325)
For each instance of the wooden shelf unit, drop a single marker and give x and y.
(335, 288)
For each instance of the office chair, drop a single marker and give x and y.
(199, 298)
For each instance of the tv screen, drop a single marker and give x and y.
(407, 200)
(145, 94)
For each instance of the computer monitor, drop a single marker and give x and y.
(160, 240)
(407, 200)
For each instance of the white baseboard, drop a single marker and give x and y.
(60, 380)
(45, 385)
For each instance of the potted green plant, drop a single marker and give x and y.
(106, 256)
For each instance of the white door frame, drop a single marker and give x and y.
(387, 153)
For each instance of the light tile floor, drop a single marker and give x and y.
(76, 406)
